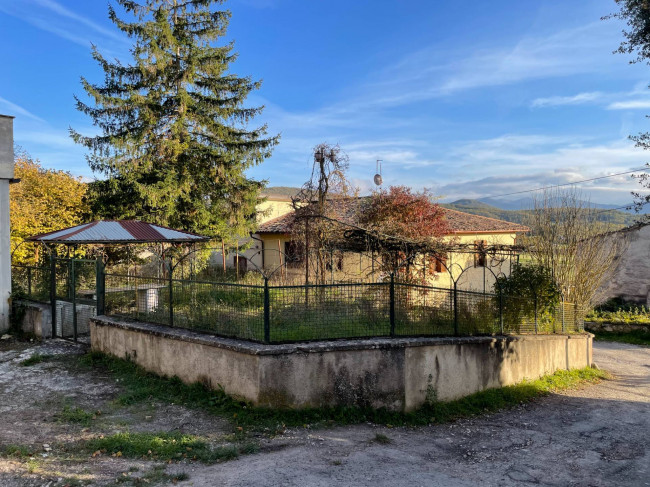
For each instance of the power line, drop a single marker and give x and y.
(644, 168)
(626, 207)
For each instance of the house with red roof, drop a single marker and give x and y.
(274, 247)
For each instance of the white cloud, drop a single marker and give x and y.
(579, 99)
(629, 105)
(66, 24)
(17, 110)
(426, 75)
(64, 12)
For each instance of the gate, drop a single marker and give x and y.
(73, 296)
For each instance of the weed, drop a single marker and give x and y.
(75, 415)
(381, 439)
(140, 385)
(154, 477)
(17, 451)
(33, 465)
(163, 446)
(336, 462)
(37, 358)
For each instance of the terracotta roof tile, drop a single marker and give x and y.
(348, 210)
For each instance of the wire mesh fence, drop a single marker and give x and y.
(257, 310)
(226, 309)
(31, 282)
(283, 313)
(67, 285)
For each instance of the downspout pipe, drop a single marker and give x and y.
(262, 244)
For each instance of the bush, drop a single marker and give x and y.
(522, 289)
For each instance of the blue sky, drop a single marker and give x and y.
(469, 99)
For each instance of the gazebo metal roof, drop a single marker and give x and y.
(117, 232)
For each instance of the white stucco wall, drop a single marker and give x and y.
(631, 275)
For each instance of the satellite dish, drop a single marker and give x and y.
(378, 179)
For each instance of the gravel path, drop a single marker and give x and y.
(596, 436)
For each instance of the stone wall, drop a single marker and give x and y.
(398, 374)
(594, 327)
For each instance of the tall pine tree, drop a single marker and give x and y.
(175, 138)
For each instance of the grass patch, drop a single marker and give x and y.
(635, 337)
(163, 446)
(19, 451)
(37, 358)
(617, 310)
(156, 476)
(140, 385)
(75, 415)
(381, 439)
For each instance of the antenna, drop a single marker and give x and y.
(378, 179)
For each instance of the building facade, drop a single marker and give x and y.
(630, 277)
(273, 249)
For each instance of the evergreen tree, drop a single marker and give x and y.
(175, 138)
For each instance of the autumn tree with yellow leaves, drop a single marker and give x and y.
(43, 201)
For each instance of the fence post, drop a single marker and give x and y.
(392, 304)
(29, 282)
(73, 294)
(563, 322)
(535, 313)
(501, 310)
(267, 312)
(53, 292)
(100, 286)
(171, 294)
(455, 309)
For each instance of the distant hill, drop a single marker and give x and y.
(476, 207)
(528, 203)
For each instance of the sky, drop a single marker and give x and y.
(468, 99)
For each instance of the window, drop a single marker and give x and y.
(441, 263)
(292, 252)
(338, 263)
(437, 263)
(241, 263)
(480, 257)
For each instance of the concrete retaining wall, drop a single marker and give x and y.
(398, 374)
(37, 318)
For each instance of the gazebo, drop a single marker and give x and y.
(105, 233)
(110, 232)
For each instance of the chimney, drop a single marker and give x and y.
(6, 177)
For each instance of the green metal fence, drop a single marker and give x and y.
(77, 289)
(280, 313)
(67, 285)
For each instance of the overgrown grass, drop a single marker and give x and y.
(618, 310)
(164, 446)
(75, 415)
(635, 337)
(37, 358)
(18, 451)
(140, 385)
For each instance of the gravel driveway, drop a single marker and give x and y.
(597, 436)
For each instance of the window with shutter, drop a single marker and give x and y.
(480, 258)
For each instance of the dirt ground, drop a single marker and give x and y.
(595, 436)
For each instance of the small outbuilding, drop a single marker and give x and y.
(630, 279)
